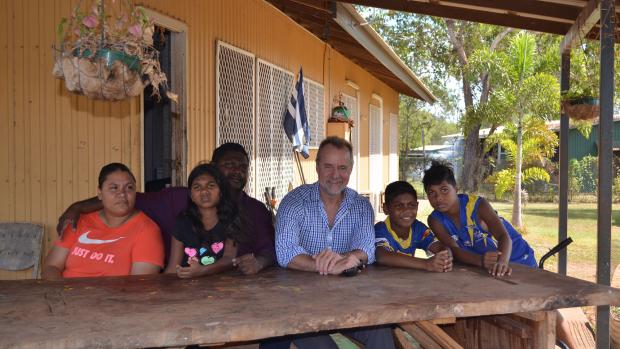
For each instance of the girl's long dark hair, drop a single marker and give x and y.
(228, 213)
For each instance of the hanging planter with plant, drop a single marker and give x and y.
(107, 52)
(580, 104)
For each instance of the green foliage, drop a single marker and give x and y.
(585, 173)
(584, 72)
(504, 180)
(539, 143)
(574, 185)
(616, 188)
(413, 119)
(583, 126)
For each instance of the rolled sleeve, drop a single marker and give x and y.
(288, 230)
(364, 240)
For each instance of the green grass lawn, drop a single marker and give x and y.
(541, 227)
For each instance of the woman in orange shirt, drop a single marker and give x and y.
(114, 241)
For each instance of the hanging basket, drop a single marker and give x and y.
(111, 75)
(583, 108)
(107, 52)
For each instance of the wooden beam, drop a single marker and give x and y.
(419, 335)
(513, 20)
(511, 325)
(588, 17)
(401, 341)
(438, 335)
(444, 321)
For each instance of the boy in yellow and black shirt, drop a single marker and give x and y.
(401, 234)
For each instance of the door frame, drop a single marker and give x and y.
(179, 67)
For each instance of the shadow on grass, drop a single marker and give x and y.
(576, 213)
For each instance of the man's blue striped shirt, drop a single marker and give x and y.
(302, 226)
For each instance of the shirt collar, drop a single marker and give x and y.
(404, 243)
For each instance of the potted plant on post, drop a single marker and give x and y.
(580, 103)
(106, 51)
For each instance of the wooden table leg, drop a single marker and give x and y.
(544, 331)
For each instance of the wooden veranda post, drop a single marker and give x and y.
(563, 217)
(605, 164)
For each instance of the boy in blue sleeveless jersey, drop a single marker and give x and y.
(469, 226)
(401, 234)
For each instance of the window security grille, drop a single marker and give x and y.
(314, 97)
(376, 150)
(234, 79)
(274, 152)
(351, 104)
(393, 159)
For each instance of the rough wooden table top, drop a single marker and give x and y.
(161, 310)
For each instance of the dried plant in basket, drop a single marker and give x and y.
(107, 52)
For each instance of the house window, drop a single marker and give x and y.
(234, 81)
(376, 149)
(315, 110)
(351, 103)
(393, 159)
(274, 155)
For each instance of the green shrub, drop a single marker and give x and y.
(584, 172)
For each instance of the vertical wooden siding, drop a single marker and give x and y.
(53, 143)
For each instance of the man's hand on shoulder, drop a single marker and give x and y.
(73, 212)
(70, 216)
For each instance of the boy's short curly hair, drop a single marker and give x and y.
(437, 173)
(396, 188)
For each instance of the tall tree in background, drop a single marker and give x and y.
(528, 90)
(470, 39)
(444, 51)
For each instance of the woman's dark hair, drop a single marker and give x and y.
(227, 211)
(437, 173)
(396, 188)
(110, 168)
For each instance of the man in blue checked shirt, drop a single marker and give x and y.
(327, 228)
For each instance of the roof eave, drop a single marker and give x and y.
(355, 25)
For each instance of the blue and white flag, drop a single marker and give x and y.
(295, 119)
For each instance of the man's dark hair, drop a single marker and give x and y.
(110, 168)
(336, 142)
(219, 152)
(396, 188)
(437, 173)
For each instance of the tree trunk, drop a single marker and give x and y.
(473, 152)
(472, 161)
(516, 205)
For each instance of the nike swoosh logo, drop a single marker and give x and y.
(84, 239)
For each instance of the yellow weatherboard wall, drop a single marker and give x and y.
(53, 143)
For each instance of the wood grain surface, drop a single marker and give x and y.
(161, 310)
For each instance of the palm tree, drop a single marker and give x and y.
(526, 90)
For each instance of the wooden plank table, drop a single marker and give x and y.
(161, 310)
